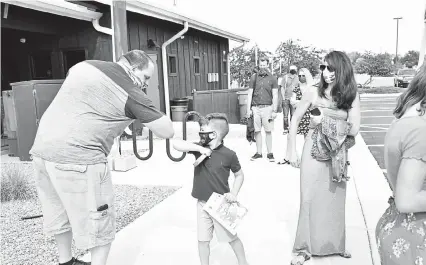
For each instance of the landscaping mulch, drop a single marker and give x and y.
(23, 241)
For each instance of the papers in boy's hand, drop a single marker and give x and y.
(229, 215)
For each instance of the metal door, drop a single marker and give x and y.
(43, 95)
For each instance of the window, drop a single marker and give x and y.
(197, 65)
(225, 67)
(41, 65)
(172, 65)
(73, 57)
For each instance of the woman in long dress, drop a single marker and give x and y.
(401, 232)
(321, 224)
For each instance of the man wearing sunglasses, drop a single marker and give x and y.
(288, 84)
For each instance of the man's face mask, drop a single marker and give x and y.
(206, 137)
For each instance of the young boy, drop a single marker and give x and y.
(210, 176)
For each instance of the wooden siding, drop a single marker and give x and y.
(208, 48)
(49, 33)
(224, 101)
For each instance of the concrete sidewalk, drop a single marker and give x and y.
(167, 233)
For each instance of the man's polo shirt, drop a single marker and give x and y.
(262, 93)
(96, 102)
(212, 174)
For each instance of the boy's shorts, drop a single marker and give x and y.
(206, 224)
(261, 117)
(70, 195)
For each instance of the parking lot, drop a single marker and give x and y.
(376, 117)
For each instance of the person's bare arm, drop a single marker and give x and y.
(409, 196)
(185, 146)
(250, 94)
(301, 109)
(275, 99)
(239, 180)
(162, 127)
(354, 116)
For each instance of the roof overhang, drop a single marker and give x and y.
(145, 8)
(57, 7)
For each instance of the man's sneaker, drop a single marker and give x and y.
(271, 157)
(285, 131)
(256, 156)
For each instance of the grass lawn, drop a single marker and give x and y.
(381, 90)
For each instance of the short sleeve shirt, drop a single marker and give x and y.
(406, 139)
(94, 105)
(289, 83)
(212, 174)
(262, 93)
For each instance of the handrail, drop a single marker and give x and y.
(135, 144)
(185, 119)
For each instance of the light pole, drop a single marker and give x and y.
(397, 33)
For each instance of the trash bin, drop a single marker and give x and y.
(242, 102)
(179, 108)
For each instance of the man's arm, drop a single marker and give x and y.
(275, 95)
(250, 94)
(139, 106)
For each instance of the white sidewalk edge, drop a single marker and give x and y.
(372, 189)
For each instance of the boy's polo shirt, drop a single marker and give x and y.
(212, 174)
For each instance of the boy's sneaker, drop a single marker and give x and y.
(256, 156)
(271, 157)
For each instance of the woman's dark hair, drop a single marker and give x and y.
(344, 90)
(415, 93)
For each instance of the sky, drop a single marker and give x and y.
(362, 25)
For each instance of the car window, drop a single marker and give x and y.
(407, 72)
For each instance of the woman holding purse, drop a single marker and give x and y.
(321, 224)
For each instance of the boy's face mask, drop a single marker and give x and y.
(206, 138)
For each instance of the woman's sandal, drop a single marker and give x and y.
(345, 255)
(284, 162)
(298, 262)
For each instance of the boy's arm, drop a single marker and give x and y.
(239, 179)
(185, 146)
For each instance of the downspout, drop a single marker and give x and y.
(229, 63)
(165, 69)
(107, 31)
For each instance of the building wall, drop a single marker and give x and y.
(49, 33)
(195, 44)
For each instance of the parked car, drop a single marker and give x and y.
(403, 77)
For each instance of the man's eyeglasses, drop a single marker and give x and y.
(329, 68)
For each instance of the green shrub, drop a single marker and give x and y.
(16, 182)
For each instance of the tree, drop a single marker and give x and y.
(410, 59)
(374, 64)
(293, 53)
(354, 56)
(242, 64)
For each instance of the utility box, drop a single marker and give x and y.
(31, 99)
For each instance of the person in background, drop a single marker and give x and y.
(288, 84)
(321, 225)
(263, 105)
(212, 175)
(95, 103)
(401, 231)
(306, 83)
